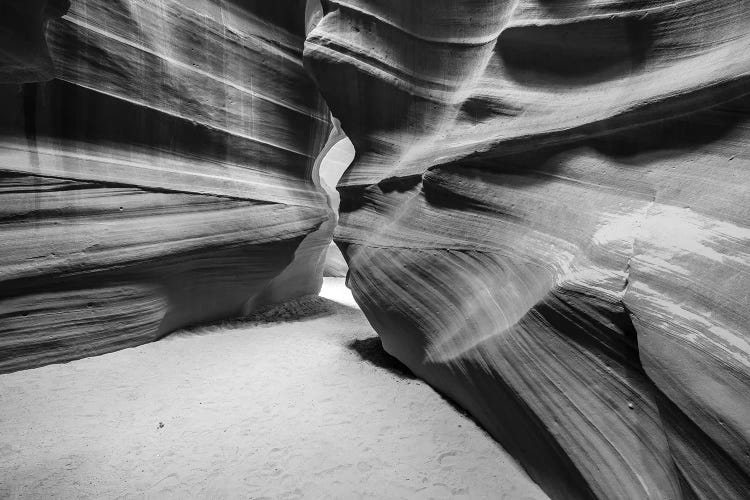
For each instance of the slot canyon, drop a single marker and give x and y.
(540, 209)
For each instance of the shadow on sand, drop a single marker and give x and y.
(371, 350)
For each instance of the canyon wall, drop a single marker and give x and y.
(335, 159)
(548, 219)
(157, 169)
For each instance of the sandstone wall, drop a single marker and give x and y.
(548, 218)
(164, 177)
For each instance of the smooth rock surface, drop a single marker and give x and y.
(335, 159)
(165, 177)
(548, 217)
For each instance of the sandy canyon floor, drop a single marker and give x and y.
(298, 401)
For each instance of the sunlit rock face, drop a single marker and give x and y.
(548, 218)
(165, 177)
(334, 160)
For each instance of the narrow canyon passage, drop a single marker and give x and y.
(297, 401)
(541, 207)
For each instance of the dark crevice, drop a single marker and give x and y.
(576, 53)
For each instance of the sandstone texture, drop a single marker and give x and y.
(24, 54)
(165, 176)
(548, 218)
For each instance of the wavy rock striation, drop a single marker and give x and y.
(165, 177)
(547, 219)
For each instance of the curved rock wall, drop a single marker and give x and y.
(548, 220)
(336, 158)
(164, 177)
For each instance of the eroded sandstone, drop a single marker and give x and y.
(547, 219)
(164, 177)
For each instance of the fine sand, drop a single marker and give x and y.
(298, 401)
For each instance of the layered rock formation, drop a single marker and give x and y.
(548, 219)
(166, 176)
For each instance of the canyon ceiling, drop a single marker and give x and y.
(547, 216)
